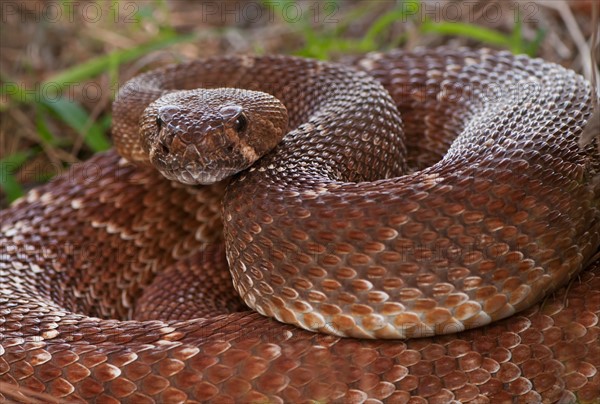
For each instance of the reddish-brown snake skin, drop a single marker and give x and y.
(114, 284)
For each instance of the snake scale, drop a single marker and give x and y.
(459, 203)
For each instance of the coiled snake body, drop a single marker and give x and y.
(473, 206)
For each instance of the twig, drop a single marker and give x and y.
(585, 53)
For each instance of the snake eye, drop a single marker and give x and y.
(240, 123)
(233, 116)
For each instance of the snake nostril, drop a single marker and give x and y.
(164, 149)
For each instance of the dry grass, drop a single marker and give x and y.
(45, 45)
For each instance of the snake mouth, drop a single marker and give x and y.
(191, 175)
(190, 166)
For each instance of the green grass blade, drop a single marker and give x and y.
(516, 38)
(42, 129)
(8, 182)
(76, 117)
(532, 48)
(482, 34)
(383, 22)
(10, 186)
(13, 91)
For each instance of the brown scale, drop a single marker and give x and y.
(504, 211)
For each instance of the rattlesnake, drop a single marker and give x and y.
(473, 204)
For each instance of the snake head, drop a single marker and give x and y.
(203, 136)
